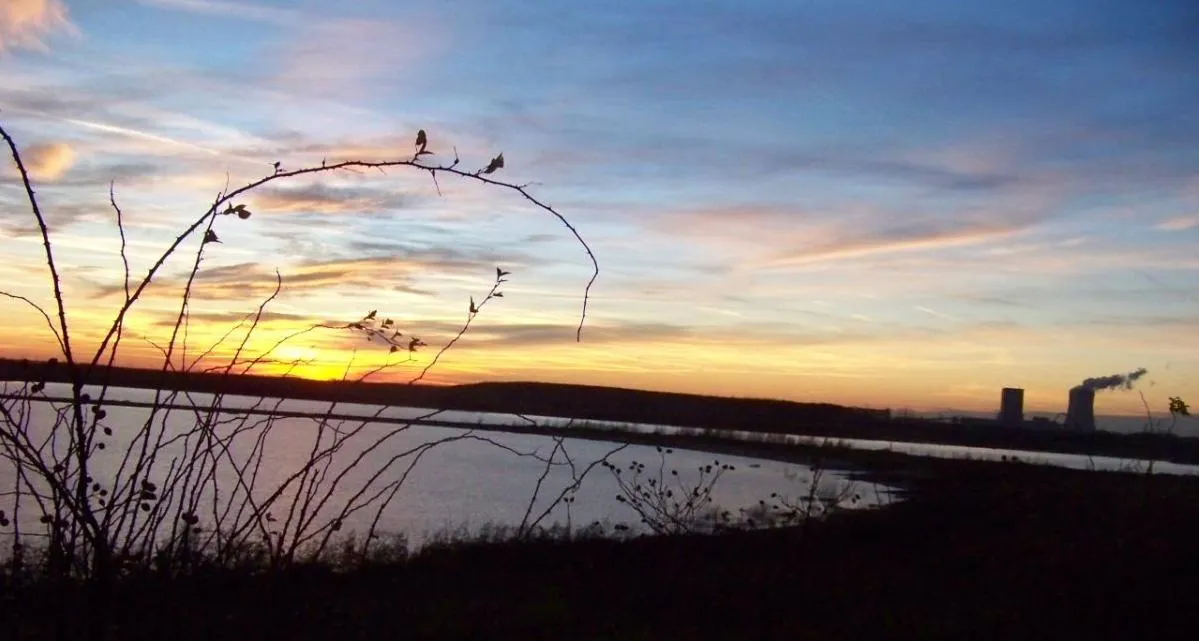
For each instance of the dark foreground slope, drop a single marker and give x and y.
(998, 552)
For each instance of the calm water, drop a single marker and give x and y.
(461, 482)
(454, 478)
(1075, 461)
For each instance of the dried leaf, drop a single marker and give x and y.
(473, 308)
(210, 237)
(496, 163)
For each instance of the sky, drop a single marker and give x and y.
(906, 205)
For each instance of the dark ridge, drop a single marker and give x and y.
(668, 408)
(553, 399)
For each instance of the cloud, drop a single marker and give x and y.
(932, 312)
(21, 222)
(253, 281)
(243, 10)
(323, 199)
(25, 23)
(250, 281)
(49, 161)
(535, 334)
(782, 237)
(992, 300)
(167, 319)
(339, 58)
(946, 172)
(1180, 223)
(890, 241)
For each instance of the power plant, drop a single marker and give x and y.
(1080, 410)
(1011, 407)
(1080, 414)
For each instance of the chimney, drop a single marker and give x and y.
(1011, 407)
(1080, 415)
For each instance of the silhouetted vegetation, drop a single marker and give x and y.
(185, 541)
(186, 488)
(978, 550)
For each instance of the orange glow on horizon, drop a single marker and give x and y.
(878, 374)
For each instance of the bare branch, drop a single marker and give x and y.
(65, 340)
(49, 323)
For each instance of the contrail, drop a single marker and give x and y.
(1181, 293)
(134, 133)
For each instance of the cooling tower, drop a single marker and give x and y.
(1011, 407)
(1081, 413)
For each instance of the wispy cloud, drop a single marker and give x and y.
(340, 58)
(325, 199)
(403, 268)
(27, 23)
(902, 239)
(490, 335)
(245, 10)
(932, 312)
(266, 317)
(246, 283)
(1179, 223)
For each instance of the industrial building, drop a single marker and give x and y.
(1081, 413)
(1011, 407)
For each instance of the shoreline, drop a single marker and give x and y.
(891, 467)
(620, 405)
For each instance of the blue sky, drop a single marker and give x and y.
(895, 204)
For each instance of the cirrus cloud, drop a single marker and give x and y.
(1180, 223)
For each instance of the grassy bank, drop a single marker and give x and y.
(979, 551)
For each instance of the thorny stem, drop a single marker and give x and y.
(210, 450)
(92, 531)
(470, 317)
(228, 196)
(45, 232)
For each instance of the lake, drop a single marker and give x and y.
(453, 479)
(430, 479)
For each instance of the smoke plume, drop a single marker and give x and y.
(1115, 381)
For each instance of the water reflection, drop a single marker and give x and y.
(415, 480)
(493, 420)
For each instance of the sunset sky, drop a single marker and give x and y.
(893, 204)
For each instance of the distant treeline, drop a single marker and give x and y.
(635, 406)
